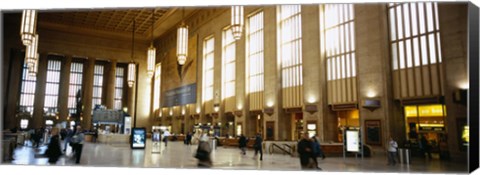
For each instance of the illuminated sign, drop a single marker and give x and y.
(352, 141)
(426, 111)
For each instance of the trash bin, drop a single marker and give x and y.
(404, 155)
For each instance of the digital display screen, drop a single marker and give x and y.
(352, 141)
(138, 138)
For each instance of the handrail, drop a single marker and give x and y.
(275, 145)
(287, 145)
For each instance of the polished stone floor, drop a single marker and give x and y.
(178, 155)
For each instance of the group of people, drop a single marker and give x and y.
(74, 139)
(257, 146)
(308, 150)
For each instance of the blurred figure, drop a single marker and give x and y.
(203, 152)
(68, 138)
(317, 151)
(242, 143)
(77, 143)
(392, 151)
(305, 152)
(258, 146)
(54, 151)
(165, 136)
(425, 146)
(188, 139)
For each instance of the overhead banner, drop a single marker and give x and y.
(181, 96)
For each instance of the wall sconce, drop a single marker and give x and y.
(216, 107)
(311, 108)
(371, 94)
(238, 113)
(371, 104)
(268, 110)
(312, 100)
(270, 104)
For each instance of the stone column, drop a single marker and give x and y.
(87, 93)
(454, 37)
(110, 85)
(64, 88)
(38, 119)
(373, 68)
(313, 66)
(272, 78)
(12, 84)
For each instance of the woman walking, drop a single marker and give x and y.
(54, 150)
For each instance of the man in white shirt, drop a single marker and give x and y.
(165, 136)
(392, 151)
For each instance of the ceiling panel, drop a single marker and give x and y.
(120, 20)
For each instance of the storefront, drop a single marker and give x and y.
(347, 119)
(426, 121)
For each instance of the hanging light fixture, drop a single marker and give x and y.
(237, 21)
(33, 72)
(28, 26)
(31, 54)
(151, 51)
(182, 41)
(131, 65)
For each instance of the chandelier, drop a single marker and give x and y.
(182, 42)
(237, 21)
(151, 52)
(28, 26)
(131, 65)
(33, 72)
(31, 54)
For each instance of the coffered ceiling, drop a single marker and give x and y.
(115, 20)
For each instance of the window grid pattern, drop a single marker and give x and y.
(414, 34)
(291, 45)
(156, 87)
(228, 45)
(76, 79)
(119, 83)
(97, 85)
(255, 53)
(208, 58)
(52, 86)
(340, 41)
(27, 91)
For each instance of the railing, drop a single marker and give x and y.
(290, 152)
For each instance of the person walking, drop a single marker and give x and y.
(242, 144)
(54, 151)
(68, 138)
(188, 139)
(258, 146)
(77, 142)
(165, 137)
(425, 147)
(305, 151)
(317, 151)
(392, 151)
(203, 152)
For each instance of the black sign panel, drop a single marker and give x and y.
(181, 96)
(138, 138)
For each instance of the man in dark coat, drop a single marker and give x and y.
(54, 150)
(242, 144)
(305, 151)
(258, 146)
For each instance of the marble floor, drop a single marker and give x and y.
(179, 156)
